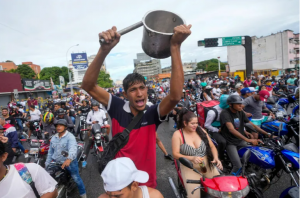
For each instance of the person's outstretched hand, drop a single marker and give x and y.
(111, 37)
(181, 32)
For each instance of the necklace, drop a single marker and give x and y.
(5, 173)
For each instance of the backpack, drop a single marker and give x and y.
(203, 108)
(26, 176)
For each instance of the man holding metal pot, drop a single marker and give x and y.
(141, 146)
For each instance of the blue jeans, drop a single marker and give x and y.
(73, 119)
(20, 124)
(73, 170)
(21, 147)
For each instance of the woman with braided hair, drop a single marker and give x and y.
(193, 143)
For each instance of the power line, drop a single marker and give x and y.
(24, 33)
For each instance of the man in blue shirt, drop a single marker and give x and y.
(65, 141)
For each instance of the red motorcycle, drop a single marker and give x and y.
(222, 186)
(99, 140)
(38, 151)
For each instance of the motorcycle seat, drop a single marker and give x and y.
(291, 147)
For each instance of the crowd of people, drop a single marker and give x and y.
(132, 171)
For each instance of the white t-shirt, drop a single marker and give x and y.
(35, 115)
(13, 185)
(23, 103)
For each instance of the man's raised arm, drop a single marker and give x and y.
(177, 78)
(89, 83)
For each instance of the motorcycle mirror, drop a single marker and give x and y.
(274, 109)
(280, 128)
(105, 119)
(186, 162)
(65, 153)
(246, 157)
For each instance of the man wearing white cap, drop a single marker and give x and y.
(161, 95)
(121, 180)
(238, 88)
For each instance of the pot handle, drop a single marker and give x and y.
(126, 30)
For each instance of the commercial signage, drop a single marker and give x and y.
(79, 60)
(31, 85)
(228, 41)
(62, 81)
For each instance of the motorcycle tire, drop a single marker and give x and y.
(82, 135)
(61, 191)
(255, 193)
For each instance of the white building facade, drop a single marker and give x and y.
(278, 51)
(146, 66)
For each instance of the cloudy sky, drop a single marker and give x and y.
(42, 31)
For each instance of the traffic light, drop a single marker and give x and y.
(211, 42)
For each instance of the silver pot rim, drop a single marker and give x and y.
(168, 34)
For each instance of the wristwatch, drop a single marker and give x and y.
(269, 134)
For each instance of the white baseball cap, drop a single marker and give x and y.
(238, 85)
(121, 172)
(160, 90)
(252, 89)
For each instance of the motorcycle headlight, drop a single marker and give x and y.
(97, 136)
(234, 194)
(81, 118)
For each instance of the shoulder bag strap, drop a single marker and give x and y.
(26, 176)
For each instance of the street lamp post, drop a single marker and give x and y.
(70, 79)
(219, 67)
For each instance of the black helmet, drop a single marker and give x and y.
(61, 111)
(63, 102)
(181, 104)
(94, 103)
(234, 99)
(85, 100)
(61, 122)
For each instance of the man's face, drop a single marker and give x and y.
(31, 109)
(56, 107)
(61, 116)
(125, 192)
(237, 107)
(241, 87)
(4, 112)
(95, 108)
(60, 128)
(137, 96)
(256, 97)
(1, 133)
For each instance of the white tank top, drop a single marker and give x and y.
(145, 191)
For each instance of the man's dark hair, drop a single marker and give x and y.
(132, 79)
(2, 150)
(129, 186)
(5, 109)
(32, 106)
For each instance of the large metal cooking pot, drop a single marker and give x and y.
(158, 30)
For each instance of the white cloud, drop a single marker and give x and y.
(42, 31)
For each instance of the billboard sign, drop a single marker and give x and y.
(62, 81)
(79, 60)
(31, 85)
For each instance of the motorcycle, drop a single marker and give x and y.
(282, 128)
(267, 161)
(38, 151)
(65, 183)
(82, 127)
(220, 186)
(37, 128)
(289, 101)
(99, 140)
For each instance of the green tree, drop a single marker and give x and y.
(210, 65)
(12, 71)
(54, 72)
(104, 80)
(8, 61)
(25, 71)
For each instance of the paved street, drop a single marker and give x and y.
(165, 169)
